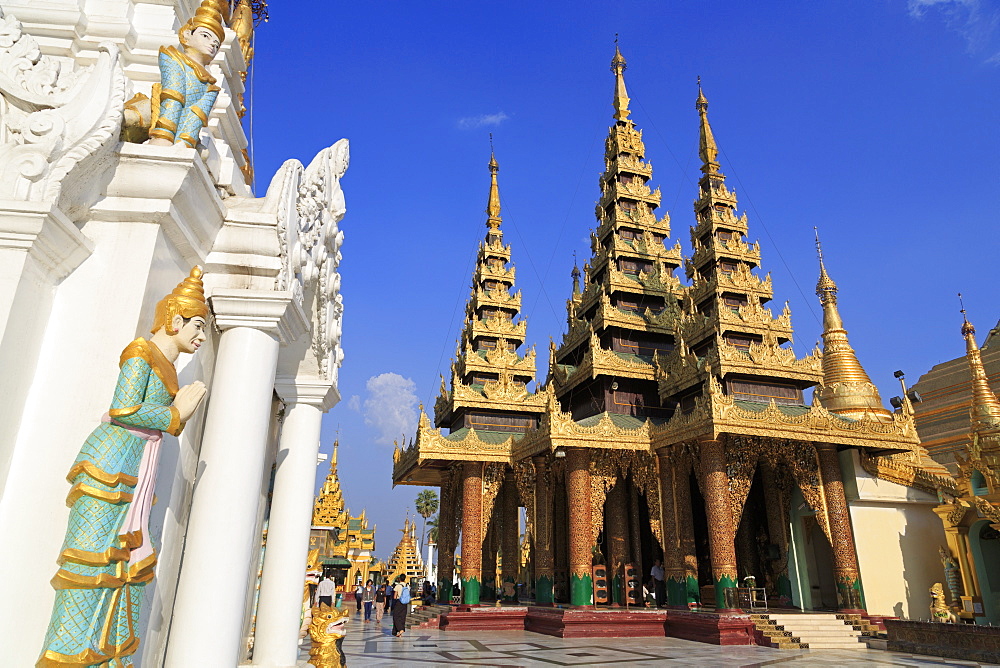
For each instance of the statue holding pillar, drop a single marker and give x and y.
(107, 557)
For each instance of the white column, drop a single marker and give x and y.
(222, 541)
(277, 632)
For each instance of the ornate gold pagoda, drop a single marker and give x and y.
(478, 418)
(405, 560)
(972, 515)
(674, 417)
(345, 543)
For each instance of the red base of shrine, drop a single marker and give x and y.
(589, 622)
(715, 628)
(596, 623)
(483, 618)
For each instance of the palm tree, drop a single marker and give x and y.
(432, 526)
(426, 505)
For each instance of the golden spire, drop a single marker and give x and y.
(333, 457)
(708, 150)
(493, 205)
(576, 277)
(984, 410)
(846, 388)
(618, 66)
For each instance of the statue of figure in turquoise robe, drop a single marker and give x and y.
(187, 92)
(107, 557)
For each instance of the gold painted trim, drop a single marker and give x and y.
(188, 139)
(101, 475)
(199, 113)
(166, 124)
(93, 558)
(65, 580)
(161, 133)
(171, 94)
(83, 489)
(176, 426)
(124, 412)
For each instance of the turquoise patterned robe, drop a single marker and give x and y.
(187, 94)
(98, 595)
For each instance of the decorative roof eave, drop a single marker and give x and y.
(900, 469)
(558, 430)
(600, 362)
(732, 249)
(495, 298)
(743, 280)
(496, 326)
(519, 401)
(496, 360)
(717, 414)
(433, 446)
(663, 322)
(489, 273)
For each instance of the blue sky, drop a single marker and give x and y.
(875, 120)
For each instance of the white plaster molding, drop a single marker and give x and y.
(57, 119)
(323, 394)
(46, 235)
(309, 205)
(274, 312)
(168, 186)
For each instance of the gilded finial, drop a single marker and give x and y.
(708, 150)
(576, 276)
(826, 289)
(846, 387)
(618, 67)
(493, 204)
(984, 410)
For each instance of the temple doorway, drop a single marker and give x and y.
(985, 543)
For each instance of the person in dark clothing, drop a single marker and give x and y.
(401, 607)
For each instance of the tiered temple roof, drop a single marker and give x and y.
(405, 559)
(488, 404)
(343, 541)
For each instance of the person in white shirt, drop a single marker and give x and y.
(659, 586)
(325, 591)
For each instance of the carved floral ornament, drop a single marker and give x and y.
(310, 205)
(55, 117)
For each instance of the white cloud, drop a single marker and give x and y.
(975, 20)
(391, 407)
(354, 403)
(471, 122)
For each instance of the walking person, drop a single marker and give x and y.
(390, 597)
(325, 591)
(401, 607)
(380, 602)
(659, 586)
(368, 597)
(358, 594)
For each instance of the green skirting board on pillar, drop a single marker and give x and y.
(581, 590)
(543, 590)
(723, 584)
(470, 591)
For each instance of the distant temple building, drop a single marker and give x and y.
(405, 559)
(971, 516)
(674, 424)
(943, 414)
(346, 545)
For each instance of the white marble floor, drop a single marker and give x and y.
(371, 644)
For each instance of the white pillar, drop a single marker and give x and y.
(222, 541)
(278, 611)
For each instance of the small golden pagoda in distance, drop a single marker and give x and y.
(405, 559)
(346, 545)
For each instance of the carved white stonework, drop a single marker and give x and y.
(309, 205)
(55, 118)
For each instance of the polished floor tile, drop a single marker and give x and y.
(373, 645)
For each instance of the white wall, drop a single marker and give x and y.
(897, 536)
